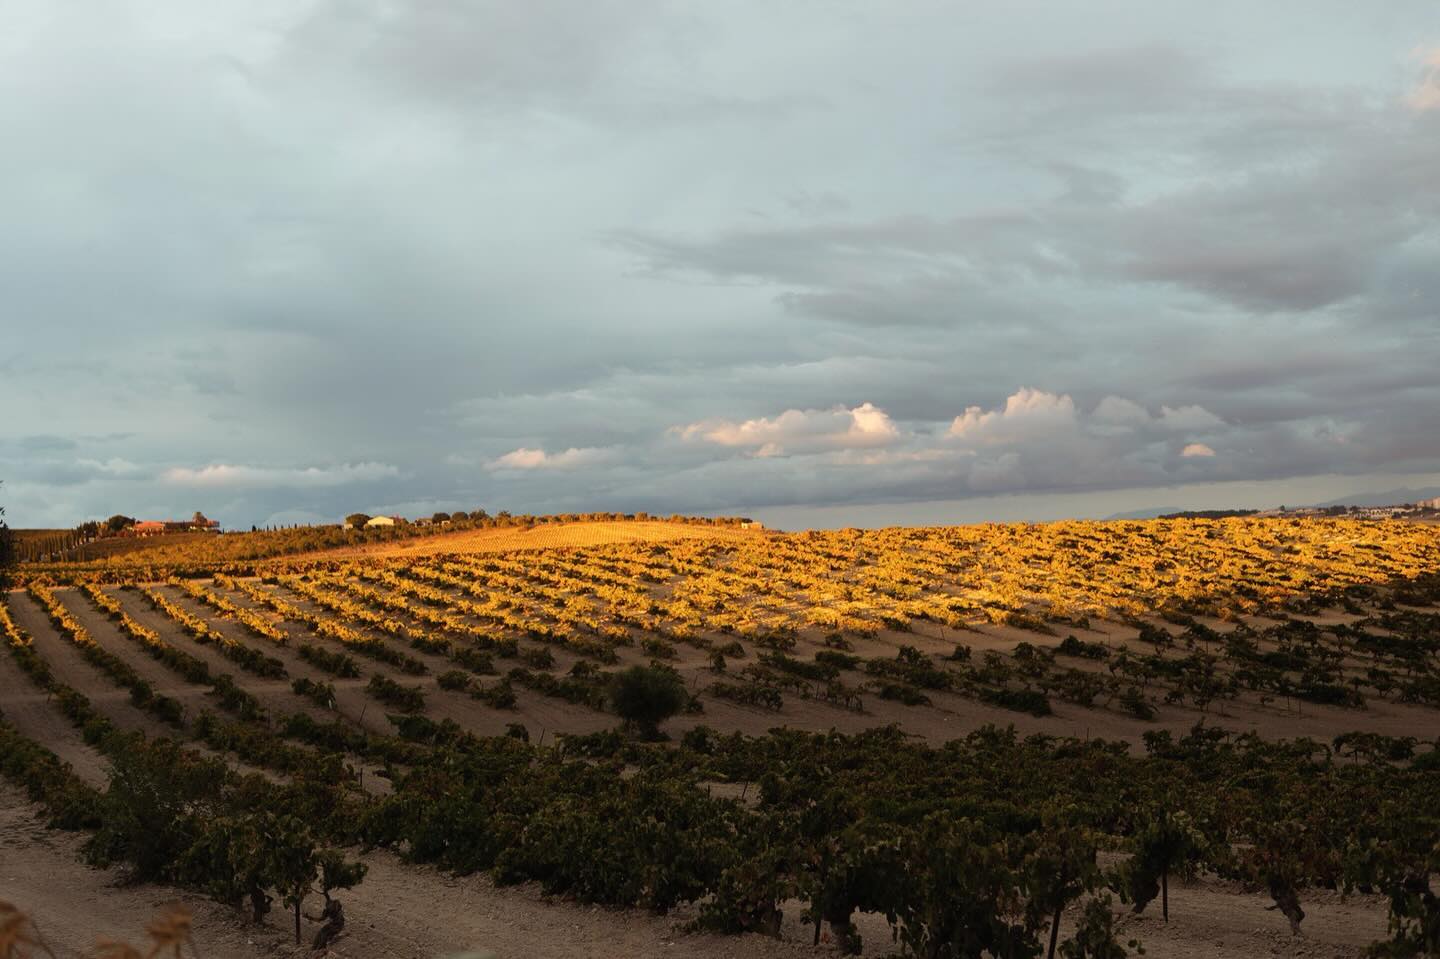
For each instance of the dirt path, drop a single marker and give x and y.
(32, 713)
(108, 634)
(434, 662)
(541, 715)
(73, 905)
(71, 668)
(277, 696)
(351, 703)
(171, 632)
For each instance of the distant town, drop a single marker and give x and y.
(1420, 510)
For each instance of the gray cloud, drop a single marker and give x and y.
(285, 237)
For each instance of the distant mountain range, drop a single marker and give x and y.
(1392, 497)
(1151, 513)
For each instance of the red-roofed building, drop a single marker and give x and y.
(155, 527)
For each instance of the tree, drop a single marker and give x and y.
(968, 900)
(440, 518)
(7, 551)
(357, 519)
(1169, 844)
(118, 522)
(297, 865)
(336, 872)
(293, 863)
(646, 696)
(153, 808)
(1061, 869)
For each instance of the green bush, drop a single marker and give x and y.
(645, 696)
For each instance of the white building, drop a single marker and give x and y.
(380, 521)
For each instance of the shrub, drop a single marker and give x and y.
(475, 660)
(500, 695)
(839, 660)
(1133, 701)
(645, 696)
(1071, 646)
(749, 694)
(899, 692)
(657, 648)
(410, 699)
(1030, 701)
(454, 679)
(538, 657)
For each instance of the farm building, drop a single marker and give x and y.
(380, 521)
(154, 527)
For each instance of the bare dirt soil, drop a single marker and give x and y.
(37, 717)
(70, 668)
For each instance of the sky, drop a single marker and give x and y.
(819, 262)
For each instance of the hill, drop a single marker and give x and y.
(549, 536)
(209, 550)
(932, 709)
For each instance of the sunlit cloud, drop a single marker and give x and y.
(220, 475)
(798, 431)
(1426, 95)
(526, 458)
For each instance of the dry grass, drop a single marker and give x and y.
(549, 536)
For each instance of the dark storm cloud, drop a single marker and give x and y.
(1269, 241)
(283, 260)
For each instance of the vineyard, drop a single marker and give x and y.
(1010, 741)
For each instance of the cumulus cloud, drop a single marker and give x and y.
(795, 431)
(1033, 416)
(1039, 439)
(225, 475)
(1035, 439)
(1196, 449)
(526, 458)
(1027, 415)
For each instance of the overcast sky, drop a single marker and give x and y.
(912, 260)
